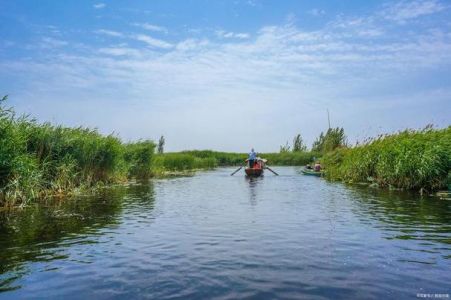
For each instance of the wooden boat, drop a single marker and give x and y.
(257, 169)
(311, 172)
(253, 172)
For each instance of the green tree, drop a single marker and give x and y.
(298, 144)
(161, 145)
(285, 148)
(318, 143)
(334, 138)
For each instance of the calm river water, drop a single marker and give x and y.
(217, 236)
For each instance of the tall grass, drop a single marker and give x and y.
(222, 158)
(234, 159)
(196, 159)
(297, 158)
(41, 159)
(182, 162)
(411, 159)
(138, 157)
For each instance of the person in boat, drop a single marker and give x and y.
(308, 166)
(257, 164)
(317, 166)
(252, 158)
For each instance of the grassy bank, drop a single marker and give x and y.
(37, 160)
(411, 159)
(41, 159)
(235, 159)
(290, 158)
(169, 164)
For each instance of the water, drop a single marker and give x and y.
(217, 236)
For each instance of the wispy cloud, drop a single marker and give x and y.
(120, 51)
(152, 42)
(192, 44)
(109, 33)
(316, 12)
(405, 10)
(346, 65)
(49, 42)
(151, 27)
(232, 35)
(252, 2)
(99, 5)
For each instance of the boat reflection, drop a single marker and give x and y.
(253, 183)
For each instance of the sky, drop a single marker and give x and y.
(228, 75)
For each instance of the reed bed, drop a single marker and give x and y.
(37, 160)
(410, 159)
(41, 159)
(181, 162)
(298, 158)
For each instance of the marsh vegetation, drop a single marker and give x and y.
(41, 159)
(410, 159)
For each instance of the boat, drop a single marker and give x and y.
(257, 169)
(253, 172)
(311, 172)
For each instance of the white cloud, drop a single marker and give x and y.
(120, 51)
(371, 32)
(405, 10)
(99, 5)
(153, 42)
(109, 33)
(192, 44)
(232, 35)
(151, 27)
(252, 3)
(316, 12)
(49, 42)
(283, 73)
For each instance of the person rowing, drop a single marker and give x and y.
(252, 158)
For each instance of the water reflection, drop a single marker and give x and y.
(205, 236)
(406, 216)
(43, 233)
(253, 188)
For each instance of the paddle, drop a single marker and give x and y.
(271, 170)
(236, 171)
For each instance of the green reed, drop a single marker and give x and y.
(298, 158)
(411, 159)
(37, 160)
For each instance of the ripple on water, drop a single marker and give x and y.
(226, 237)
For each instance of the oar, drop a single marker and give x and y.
(236, 171)
(271, 170)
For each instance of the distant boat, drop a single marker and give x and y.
(312, 172)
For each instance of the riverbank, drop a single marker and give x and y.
(212, 159)
(43, 160)
(411, 159)
(38, 160)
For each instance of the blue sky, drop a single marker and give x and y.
(228, 75)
